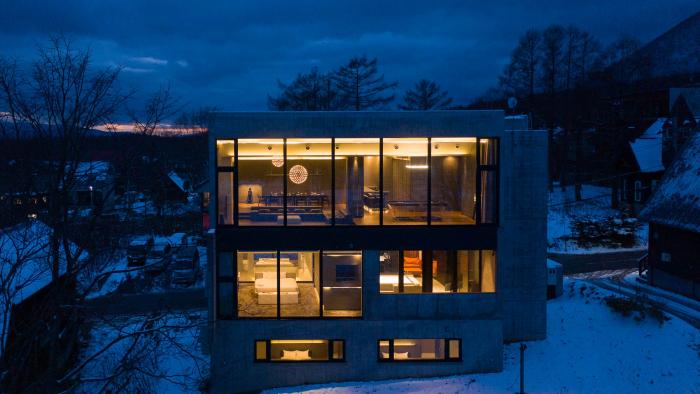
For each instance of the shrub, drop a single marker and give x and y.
(639, 306)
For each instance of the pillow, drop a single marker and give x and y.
(302, 355)
(288, 355)
(400, 355)
(269, 275)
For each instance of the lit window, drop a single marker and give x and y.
(419, 350)
(299, 350)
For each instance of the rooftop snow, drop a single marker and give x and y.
(24, 247)
(647, 148)
(177, 180)
(676, 202)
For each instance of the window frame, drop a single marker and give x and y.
(427, 272)
(278, 315)
(268, 353)
(449, 358)
(637, 191)
(495, 168)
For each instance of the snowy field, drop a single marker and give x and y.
(565, 212)
(589, 349)
(135, 354)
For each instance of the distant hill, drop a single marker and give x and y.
(675, 52)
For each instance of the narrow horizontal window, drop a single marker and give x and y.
(419, 350)
(299, 350)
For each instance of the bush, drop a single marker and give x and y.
(638, 306)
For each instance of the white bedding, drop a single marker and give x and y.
(269, 285)
(272, 262)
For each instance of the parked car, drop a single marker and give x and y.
(186, 266)
(160, 257)
(138, 249)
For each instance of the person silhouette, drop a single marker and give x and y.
(249, 200)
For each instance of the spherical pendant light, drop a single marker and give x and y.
(298, 174)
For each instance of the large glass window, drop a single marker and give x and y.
(459, 175)
(405, 168)
(225, 153)
(225, 161)
(300, 282)
(342, 284)
(488, 174)
(225, 197)
(260, 182)
(413, 271)
(309, 181)
(389, 266)
(357, 195)
(299, 350)
(437, 271)
(419, 350)
(258, 286)
(453, 180)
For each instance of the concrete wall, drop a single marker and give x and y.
(236, 371)
(522, 235)
(517, 311)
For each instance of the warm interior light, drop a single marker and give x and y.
(298, 174)
(278, 162)
(417, 166)
(291, 341)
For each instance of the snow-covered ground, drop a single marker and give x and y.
(565, 212)
(589, 349)
(165, 356)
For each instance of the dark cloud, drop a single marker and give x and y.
(230, 54)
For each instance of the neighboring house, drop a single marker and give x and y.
(95, 184)
(684, 120)
(645, 167)
(673, 213)
(372, 245)
(25, 273)
(176, 188)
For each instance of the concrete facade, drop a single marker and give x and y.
(483, 321)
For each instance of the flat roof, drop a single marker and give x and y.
(328, 124)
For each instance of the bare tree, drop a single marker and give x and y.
(50, 111)
(57, 104)
(551, 58)
(360, 85)
(159, 106)
(521, 74)
(313, 91)
(426, 95)
(193, 122)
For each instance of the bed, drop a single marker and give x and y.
(266, 289)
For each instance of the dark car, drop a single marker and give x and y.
(138, 249)
(186, 266)
(159, 258)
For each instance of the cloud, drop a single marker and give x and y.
(231, 54)
(150, 60)
(137, 70)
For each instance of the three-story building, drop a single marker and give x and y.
(372, 245)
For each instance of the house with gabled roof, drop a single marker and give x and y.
(673, 213)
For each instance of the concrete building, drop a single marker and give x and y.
(372, 245)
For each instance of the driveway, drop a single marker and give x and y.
(581, 263)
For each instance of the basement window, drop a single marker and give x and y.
(419, 350)
(299, 350)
